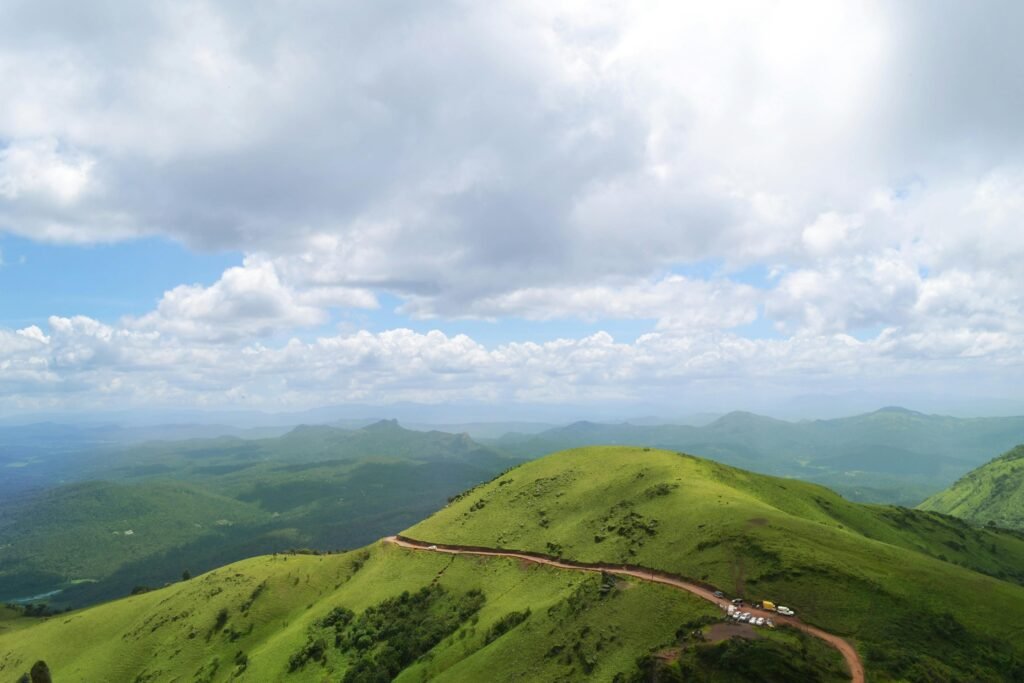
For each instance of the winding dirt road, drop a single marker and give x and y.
(853, 661)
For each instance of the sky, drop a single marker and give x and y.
(637, 207)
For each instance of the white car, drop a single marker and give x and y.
(785, 611)
(760, 621)
(433, 547)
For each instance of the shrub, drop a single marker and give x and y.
(505, 624)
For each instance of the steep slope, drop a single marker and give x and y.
(992, 493)
(874, 574)
(385, 613)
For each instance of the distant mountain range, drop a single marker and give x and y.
(890, 455)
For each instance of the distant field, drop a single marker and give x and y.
(165, 508)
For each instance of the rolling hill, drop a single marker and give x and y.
(990, 494)
(152, 511)
(922, 596)
(386, 613)
(918, 592)
(892, 455)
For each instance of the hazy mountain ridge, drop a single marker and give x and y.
(890, 455)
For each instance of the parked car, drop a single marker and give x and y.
(760, 621)
(737, 601)
(719, 594)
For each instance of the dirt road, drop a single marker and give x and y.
(853, 661)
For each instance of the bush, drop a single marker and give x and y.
(315, 649)
(505, 624)
(391, 635)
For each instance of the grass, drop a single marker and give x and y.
(990, 494)
(269, 608)
(871, 573)
(866, 572)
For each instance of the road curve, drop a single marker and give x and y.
(853, 661)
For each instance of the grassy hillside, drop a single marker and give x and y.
(891, 455)
(200, 504)
(908, 588)
(421, 616)
(993, 493)
(903, 585)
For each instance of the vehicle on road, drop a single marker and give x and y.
(433, 547)
(782, 609)
(737, 601)
(760, 621)
(719, 594)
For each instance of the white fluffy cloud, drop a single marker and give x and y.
(247, 301)
(536, 160)
(80, 357)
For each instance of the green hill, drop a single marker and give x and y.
(412, 615)
(909, 588)
(892, 455)
(918, 593)
(992, 493)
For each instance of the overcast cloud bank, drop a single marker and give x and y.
(802, 197)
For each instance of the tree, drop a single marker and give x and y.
(40, 673)
(186, 575)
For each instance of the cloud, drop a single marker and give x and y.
(847, 294)
(117, 366)
(673, 301)
(540, 161)
(39, 169)
(247, 301)
(463, 153)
